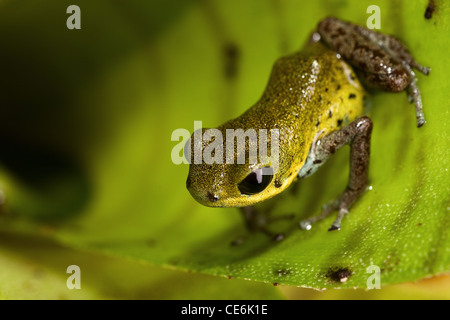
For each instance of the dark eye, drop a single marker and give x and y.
(256, 181)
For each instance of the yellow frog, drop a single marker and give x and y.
(314, 99)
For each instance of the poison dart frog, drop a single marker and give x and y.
(315, 98)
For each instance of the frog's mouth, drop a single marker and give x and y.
(217, 200)
(207, 198)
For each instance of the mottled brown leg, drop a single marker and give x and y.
(380, 60)
(357, 134)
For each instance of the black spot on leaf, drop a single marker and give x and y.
(338, 274)
(430, 9)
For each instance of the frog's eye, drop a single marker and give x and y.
(256, 181)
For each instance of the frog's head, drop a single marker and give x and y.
(217, 182)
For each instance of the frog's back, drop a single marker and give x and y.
(308, 91)
(309, 86)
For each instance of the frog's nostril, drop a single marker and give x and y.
(212, 197)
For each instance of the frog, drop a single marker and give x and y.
(315, 98)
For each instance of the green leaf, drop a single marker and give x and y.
(107, 98)
(39, 271)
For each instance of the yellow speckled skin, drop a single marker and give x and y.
(309, 92)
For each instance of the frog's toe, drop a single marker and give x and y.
(337, 223)
(305, 224)
(237, 241)
(334, 227)
(420, 122)
(278, 237)
(327, 209)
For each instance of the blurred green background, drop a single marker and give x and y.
(86, 176)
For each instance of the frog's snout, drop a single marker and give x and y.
(205, 197)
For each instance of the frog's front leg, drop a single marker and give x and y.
(357, 135)
(380, 60)
(257, 221)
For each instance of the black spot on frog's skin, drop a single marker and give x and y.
(317, 123)
(338, 274)
(278, 184)
(326, 89)
(330, 113)
(212, 197)
(317, 161)
(430, 9)
(338, 87)
(352, 96)
(339, 122)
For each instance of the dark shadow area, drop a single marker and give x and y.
(46, 131)
(57, 188)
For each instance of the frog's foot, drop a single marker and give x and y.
(414, 95)
(274, 236)
(327, 210)
(256, 221)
